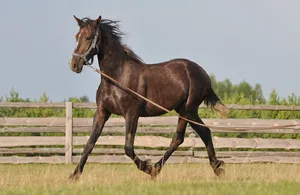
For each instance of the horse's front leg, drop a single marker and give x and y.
(131, 126)
(100, 117)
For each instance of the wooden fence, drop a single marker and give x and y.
(61, 140)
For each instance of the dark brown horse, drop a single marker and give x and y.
(178, 84)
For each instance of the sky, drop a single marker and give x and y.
(257, 41)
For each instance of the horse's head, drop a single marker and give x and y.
(87, 43)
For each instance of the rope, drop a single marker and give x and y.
(186, 119)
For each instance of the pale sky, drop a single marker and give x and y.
(257, 41)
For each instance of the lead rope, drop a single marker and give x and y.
(186, 119)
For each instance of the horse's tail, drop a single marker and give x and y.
(213, 101)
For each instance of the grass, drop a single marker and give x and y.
(174, 179)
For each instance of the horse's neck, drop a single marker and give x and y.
(110, 61)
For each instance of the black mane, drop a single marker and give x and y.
(131, 54)
(111, 31)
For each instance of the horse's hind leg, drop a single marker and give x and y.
(205, 135)
(100, 117)
(178, 139)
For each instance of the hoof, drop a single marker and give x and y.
(220, 172)
(146, 166)
(155, 171)
(75, 176)
(148, 161)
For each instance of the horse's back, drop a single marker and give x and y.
(181, 70)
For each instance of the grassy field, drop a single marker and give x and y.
(174, 179)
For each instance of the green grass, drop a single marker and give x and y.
(174, 179)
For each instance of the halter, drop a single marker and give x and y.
(92, 46)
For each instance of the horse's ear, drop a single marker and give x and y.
(79, 22)
(98, 21)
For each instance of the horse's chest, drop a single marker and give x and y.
(117, 101)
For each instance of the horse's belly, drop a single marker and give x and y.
(166, 100)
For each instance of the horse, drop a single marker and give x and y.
(178, 84)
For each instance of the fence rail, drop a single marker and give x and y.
(94, 106)
(68, 135)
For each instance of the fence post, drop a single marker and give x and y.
(69, 133)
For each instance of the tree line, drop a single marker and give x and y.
(229, 93)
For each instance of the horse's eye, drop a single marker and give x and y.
(89, 38)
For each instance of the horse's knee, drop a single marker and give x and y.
(176, 143)
(180, 140)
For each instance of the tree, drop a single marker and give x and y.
(273, 100)
(228, 87)
(84, 99)
(44, 98)
(258, 97)
(79, 112)
(213, 81)
(244, 88)
(234, 93)
(15, 97)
